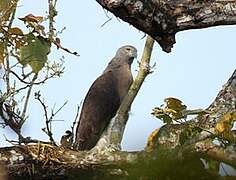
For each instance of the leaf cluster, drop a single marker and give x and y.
(224, 127)
(24, 60)
(29, 48)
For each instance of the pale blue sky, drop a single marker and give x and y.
(200, 63)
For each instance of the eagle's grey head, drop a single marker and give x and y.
(127, 53)
(127, 50)
(124, 55)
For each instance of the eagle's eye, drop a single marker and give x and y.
(128, 49)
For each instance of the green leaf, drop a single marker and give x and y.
(34, 52)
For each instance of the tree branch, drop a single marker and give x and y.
(52, 14)
(7, 66)
(223, 103)
(227, 155)
(48, 120)
(170, 153)
(45, 161)
(27, 98)
(162, 19)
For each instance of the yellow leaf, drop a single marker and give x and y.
(32, 18)
(220, 127)
(226, 122)
(15, 31)
(224, 126)
(151, 142)
(175, 104)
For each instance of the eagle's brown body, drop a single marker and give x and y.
(104, 98)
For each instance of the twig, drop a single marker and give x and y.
(74, 122)
(20, 89)
(7, 74)
(11, 119)
(49, 120)
(106, 13)
(27, 98)
(35, 83)
(52, 37)
(49, 125)
(7, 69)
(26, 141)
(61, 31)
(106, 22)
(54, 114)
(14, 143)
(59, 46)
(48, 132)
(52, 14)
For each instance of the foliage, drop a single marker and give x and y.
(224, 126)
(24, 58)
(25, 51)
(174, 110)
(34, 52)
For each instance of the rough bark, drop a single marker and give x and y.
(162, 19)
(41, 161)
(171, 136)
(48, 162)
(169, 156)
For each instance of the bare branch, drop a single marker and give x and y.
(75, 120)
(52, 14)
(47, 119)
(27, 98)
(52, 36)
(106, 22)
(7, 68)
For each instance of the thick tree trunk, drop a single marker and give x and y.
(162, 19)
